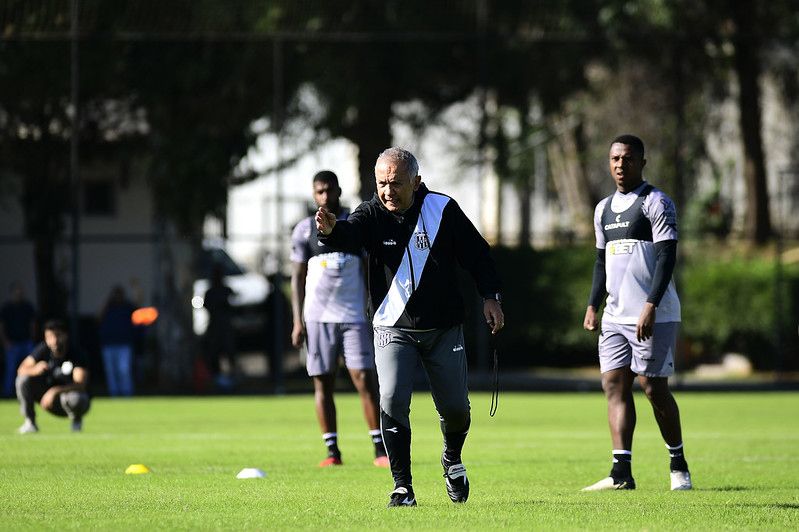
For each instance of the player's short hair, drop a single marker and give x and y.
(402, 158)
(326, 176)
(56, 325)
(630, 140)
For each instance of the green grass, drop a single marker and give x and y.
(526, 465)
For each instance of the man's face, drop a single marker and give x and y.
(56, 341)
(395, 187)
(626, 166)
(326, 195)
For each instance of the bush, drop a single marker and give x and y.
(735, 305)
(729, 303)
(544, 298)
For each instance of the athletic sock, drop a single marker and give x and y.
(377, 439)
(331, 441)
(453, 444)
(397, 438)
(622, 464)
(678, 462)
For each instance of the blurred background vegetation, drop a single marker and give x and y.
(733, 301)
(183, 89)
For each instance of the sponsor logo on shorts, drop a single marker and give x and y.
(458, 347)
(389, 242)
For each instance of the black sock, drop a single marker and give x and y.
(397, 438)
(622, 464)
(377, 439)
(453, 444)
(331, 441)
(678, 462)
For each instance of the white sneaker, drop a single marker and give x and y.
(77, 425)
(681, 480)
(29, 427)
(610, 483)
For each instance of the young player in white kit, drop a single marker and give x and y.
(636, 240)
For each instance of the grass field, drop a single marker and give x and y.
(526, 465)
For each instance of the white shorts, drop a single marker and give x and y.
(326, 341)
(618, 347)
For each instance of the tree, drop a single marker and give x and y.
(192, 100)
(539, 54)
(35, 130)
(697, 36)
(363, 57)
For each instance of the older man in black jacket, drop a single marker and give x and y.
(415, 238)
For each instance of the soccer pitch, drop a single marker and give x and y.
(526, 466)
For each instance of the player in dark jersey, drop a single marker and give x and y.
(56, 375)
(636, 240)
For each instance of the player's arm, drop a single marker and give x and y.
(80, 383)
(80, 380)
(29, 366)
(299, 273)
(598, 292)
(666, 252)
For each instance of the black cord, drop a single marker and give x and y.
(495, 387)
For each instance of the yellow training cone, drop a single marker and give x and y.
(136, 469)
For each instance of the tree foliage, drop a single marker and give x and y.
(178, 84)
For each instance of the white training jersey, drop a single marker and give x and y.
(335, 290)
(627, 226)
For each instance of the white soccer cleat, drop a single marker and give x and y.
(610, 483)
(681, 480)
(29, 427)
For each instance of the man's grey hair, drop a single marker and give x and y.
(402, 158)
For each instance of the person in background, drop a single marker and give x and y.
(220, 339)
(636, 240)
(416, 239)
(17, 331)
(328, 296)
(56, 375)
(117, 337)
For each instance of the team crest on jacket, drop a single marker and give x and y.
(421, 241)
(383, 338)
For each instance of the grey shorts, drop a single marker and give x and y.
(326, 341)
(618, 347)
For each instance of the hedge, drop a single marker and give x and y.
(740, 303)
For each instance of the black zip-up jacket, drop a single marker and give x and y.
(396, 244)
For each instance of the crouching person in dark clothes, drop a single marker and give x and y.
(56, 376)
(415, 239)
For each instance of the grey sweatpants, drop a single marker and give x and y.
(443, 357)
(68, 404)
